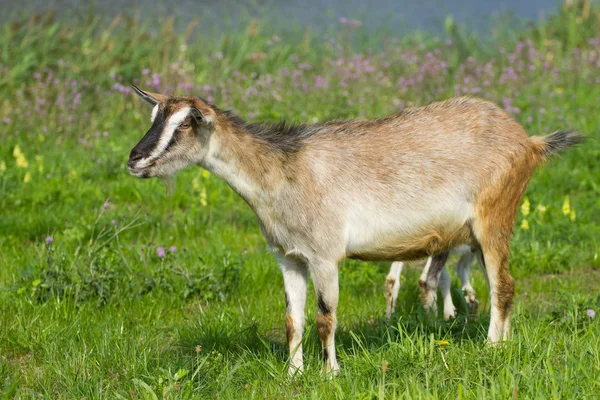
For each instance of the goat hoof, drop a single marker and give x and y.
(472, 304)
(295, 372)
(330, 373)
(449, 315)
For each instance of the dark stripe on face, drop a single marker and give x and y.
(151, 138)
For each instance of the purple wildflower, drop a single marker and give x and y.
(173, 249)
(50, 240)
(121, 88)
(251, 91)
(156, 80)
(114, 222)
(590, 313)
(321, 82)
(160, 252)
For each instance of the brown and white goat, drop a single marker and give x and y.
(432, 277)
(414, 184)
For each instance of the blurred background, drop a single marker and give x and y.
(394, 17)
(110, 288)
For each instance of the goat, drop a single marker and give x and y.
(414, 184)
(428, 283)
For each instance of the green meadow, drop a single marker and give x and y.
(111, 288)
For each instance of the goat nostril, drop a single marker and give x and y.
(134, 156)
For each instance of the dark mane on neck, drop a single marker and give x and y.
(282, 136)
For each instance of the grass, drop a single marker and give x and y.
(88, 309)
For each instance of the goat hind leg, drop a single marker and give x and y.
(428, 282)
(463, 270)
(493, 257)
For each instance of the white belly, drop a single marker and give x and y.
(372, 225)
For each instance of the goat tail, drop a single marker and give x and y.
(553, 144)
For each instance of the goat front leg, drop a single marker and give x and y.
(392, 286)
(428, 282)
(295, 281)
(325, 279)
(444, 282)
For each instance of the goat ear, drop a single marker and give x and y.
(202, 116)
(150, 98)
(197, 114)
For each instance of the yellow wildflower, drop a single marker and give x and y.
(203, 200)
(20, 159)
(525, 207)
(572, 216)
(524, 224)
(196, 184)
(40, 162)
(27, 177)
(205, 174)
(442, 342)
(2, 166)
(541, 208)
(559, 90)
(566, 208)
(72, 176)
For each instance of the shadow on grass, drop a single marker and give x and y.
(234, 342)
(372, 333)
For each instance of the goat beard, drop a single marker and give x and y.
(170, 183)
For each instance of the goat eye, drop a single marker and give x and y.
(184, 125)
